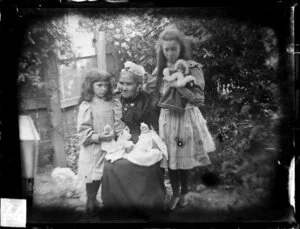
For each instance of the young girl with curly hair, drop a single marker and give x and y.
(97, 109)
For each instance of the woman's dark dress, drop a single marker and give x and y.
(138, 110)
(127, 186)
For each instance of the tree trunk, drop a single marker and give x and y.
(52, 85)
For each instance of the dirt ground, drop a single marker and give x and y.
(51, 204)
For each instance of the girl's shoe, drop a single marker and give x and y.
(183, 201)
(89, 207)
(98, 205)
(173, 203)
(92, 207)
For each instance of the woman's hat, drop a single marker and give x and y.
(134, 68)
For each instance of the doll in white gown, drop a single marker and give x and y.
(149, 149)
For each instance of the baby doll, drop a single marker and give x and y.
(116, 149)
(180, 78)
(177, 77)
(107, 146)
(107, 130)
(149, 149)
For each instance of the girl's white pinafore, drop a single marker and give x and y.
(92, 117)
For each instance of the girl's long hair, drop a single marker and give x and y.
(170, 34)
(93, 76)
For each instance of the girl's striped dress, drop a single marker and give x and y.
(185, 133)
(92, 117)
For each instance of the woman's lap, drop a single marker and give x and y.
(127, 185)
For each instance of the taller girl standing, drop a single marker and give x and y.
(185, 133)
(97, 109)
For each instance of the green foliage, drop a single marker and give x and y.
(72, 152)
(132, 32)
(242, 88)
(42, 39)
(239, 59)
(247, 151)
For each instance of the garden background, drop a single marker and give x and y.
(246, 93)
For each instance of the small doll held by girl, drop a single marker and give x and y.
(176, 76)
(97, 109)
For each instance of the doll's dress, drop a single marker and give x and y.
(115, 150)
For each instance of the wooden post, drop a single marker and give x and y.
(100, 50)
(58, 141)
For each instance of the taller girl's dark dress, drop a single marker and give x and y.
(128, 187)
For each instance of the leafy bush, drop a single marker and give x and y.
(72, 152)
(43, 38)
(239, 58)
(246, 154)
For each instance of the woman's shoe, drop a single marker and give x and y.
(174, 202)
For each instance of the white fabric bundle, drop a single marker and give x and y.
(66, 181)
(149, 149)
(116, 149)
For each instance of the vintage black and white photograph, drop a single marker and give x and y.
(155, 114)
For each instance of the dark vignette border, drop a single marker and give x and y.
(275, 14)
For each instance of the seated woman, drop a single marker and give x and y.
(128, 186)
